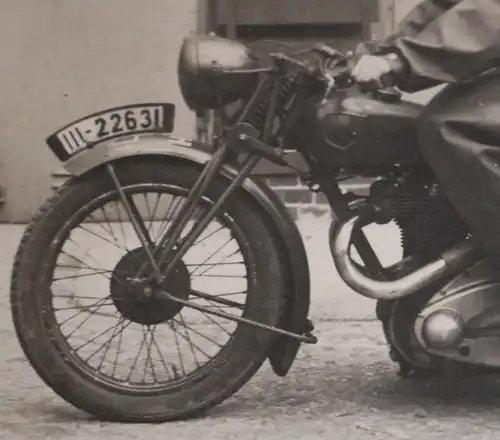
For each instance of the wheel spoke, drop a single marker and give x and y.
(222, 246)
(58, 309)
(177, 346)
(206, 237)
(95, 306)
(71, 266)
(118, 329)
(140, 221)
(171, 212)
(216, 264)
(72, 277)
(232, 263)
(106, 218)
(120, 221)
(107, 343)
(162, 358)
(119, 346)
(73, 296)
(185, 335)
(219, 295)
(153, 215)
(90, 341)
(107, 240)
(136, 359)
(86, 253)
(213, 321)
(99, 223)
(149, 361)
(183, 324)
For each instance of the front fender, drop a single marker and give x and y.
(292, 250)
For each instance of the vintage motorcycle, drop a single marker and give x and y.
(438, 305)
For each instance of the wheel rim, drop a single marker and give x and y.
(156, 363)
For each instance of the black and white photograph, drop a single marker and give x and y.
(250, 219)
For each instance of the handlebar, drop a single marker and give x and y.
(334, 67)
(331, 69)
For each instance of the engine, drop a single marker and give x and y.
(428, 221)
(440, 307)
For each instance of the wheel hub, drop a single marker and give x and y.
(135, 298)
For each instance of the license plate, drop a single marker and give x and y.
(109, 124)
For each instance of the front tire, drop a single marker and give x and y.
(38, 333)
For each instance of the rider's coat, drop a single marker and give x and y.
(453, 41)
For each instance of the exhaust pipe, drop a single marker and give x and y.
(453, 261)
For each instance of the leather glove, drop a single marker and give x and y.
(378, 70)
(371, 68)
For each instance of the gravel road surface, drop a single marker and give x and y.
(345, 387)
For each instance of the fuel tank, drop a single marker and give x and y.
(355, 130)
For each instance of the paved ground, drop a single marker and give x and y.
(344, 387)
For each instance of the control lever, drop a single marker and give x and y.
(390, 94)
(387, 91)
(330, 83)
(326, 50)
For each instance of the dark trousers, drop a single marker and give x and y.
(459, 133)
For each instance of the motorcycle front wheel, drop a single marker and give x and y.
(120, 354)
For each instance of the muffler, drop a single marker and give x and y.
(452, 262)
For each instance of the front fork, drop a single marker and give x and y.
(168, 248)
(170, 238)
(242, 141)
(158, 254)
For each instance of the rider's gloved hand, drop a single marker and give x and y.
(377, 71)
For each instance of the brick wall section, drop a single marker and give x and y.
(297, 197)
(301, 201)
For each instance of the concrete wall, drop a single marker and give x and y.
(62, 59)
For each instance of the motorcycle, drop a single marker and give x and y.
(438, 305)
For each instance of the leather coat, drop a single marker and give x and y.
(444, 41)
